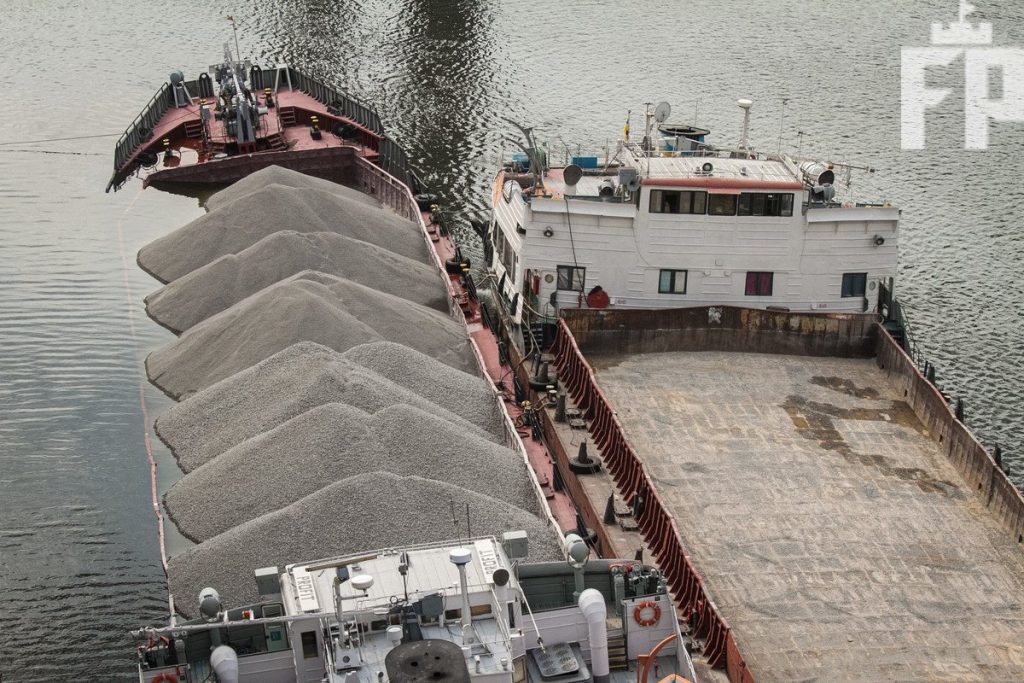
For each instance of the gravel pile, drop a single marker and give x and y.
(239, 225)
(352, 515)
(309, 306)
(221, 284)
(272, 392)
(257, 182)
(467, 395)
(333, 442)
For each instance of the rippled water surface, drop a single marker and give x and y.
(79, 560)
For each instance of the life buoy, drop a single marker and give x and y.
(638, 613)
(166, 677)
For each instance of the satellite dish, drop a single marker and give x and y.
(572, 174)
(362, 582)
(662, 112)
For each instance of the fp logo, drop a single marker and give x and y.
(982, 64)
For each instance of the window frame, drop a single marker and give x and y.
(720, 196)
(687, 202)
(782, 203)
(846, 292)
(758, 282)
(573, 272)
(673, 280)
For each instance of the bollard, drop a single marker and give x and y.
(997, 455)
(609, 510)
(960, 409)
(560, 408)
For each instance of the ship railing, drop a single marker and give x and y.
(656, 523)
(142, 127)
(347, 105)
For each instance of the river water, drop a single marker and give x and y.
(79, 559)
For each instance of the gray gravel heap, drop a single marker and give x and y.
(462, 393)
(257, 182)
(285, 385)
(353, 515)
(309, 306)
(332, 442)
(239, 225)
(221, 284)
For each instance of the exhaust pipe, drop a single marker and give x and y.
(595, 611)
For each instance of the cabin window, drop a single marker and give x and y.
(765, 204)
(854, 284)
(571, 278)
(722, 205)
(310, 650)
(678, 201)
(672, 282)
(759, 283)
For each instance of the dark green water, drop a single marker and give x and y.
(79, 562)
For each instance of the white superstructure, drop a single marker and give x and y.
(674, 223)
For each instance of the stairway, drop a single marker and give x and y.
(617, 660)
(287, 115)
(276, 142)
(193, 129)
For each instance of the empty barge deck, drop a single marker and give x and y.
(843, 526)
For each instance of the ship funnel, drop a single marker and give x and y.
(745, 105)
(595, 611)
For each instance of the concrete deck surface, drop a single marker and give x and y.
(833, 535)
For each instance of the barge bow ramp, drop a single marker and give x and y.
(831, 531)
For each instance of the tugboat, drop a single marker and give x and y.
(237, 118)
(672, 221)
(463, 611)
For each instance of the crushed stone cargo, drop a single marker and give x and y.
(239, 225)
(333, 442)
(464, 394)
(218, 285)
(367, 511)
(285, 385)
(257, 182)
(309, 306)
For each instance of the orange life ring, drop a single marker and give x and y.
(167, 677)
(638, 613)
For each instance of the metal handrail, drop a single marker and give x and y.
(131, 139)
(348, 106)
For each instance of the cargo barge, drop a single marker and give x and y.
(726, 446)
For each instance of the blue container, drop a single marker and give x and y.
(585, 162)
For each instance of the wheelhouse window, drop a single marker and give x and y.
(571, 278)
(722, 205)
(678, 201)
(759, 283)
(854, 284)
(765, 204)
(672, 282)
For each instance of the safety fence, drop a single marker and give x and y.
(142, 127)
(345, 104)
(977, 466)
(656, 524)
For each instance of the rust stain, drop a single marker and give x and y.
(844, 386)
(815, 421)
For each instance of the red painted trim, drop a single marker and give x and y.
(725, 183)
